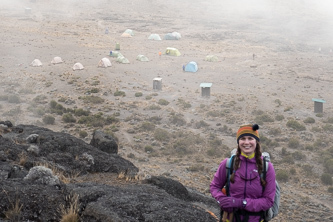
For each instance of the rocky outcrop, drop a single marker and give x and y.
(30, 190)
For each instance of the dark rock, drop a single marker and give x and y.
(104, 142)
(40, 196)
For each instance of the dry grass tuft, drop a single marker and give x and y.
(14, 212)
(59, 173)
(70, 214)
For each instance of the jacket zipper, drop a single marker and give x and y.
(245, 178)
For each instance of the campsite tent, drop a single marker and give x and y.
(172, 36)
(105, 62)
(122, 59)
(126, 35)
(129, 31)
(115, 54)
(56, 60)
(78, 66)
(172, 51)
(191, 67)
(154, 37)
(142, 58)
(36, 63)
(211, 58)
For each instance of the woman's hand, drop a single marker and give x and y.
(231, 202)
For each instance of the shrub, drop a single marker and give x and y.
(293, 142)
(138, 94)
(119, 93)
(68, 118)
(161, 134)
(326, 179)
(292, 171)
(183, 104)
(214, 113)
(282, 175)
(295, 125)
(147, 126)
(149, 149)
(149, 97)
(263, 118)
(329, 166)
(307, 169)
(81, 112)
(177, 119)
(288, 159)
(196, 168)
(328, 127)
(275, 131)
(131, 155)
(48, 119)
(298, 155)
(14, 99)
(53, 104)
(40, 99)
(163, 102)
(154, 107)
(200, 124)
(94, 90)
(83, 134)
(92, 99)
(309, 120)
(330, 189)
(279, 117)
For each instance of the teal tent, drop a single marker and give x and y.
(191, 67)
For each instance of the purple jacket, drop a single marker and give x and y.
(246, 186)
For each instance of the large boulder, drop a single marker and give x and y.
(104, 142)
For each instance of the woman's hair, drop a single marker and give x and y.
(258, 161)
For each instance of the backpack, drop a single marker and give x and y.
(274, 210)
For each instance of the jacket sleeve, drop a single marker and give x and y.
(218, 182)
(267, 200)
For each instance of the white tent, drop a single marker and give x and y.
(105, 62)
(122, 59)
(154, 37)
(56, 60)
(142, 58)
(36, 63)
(78, 66)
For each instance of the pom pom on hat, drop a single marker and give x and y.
(248, 130)
(255, 127)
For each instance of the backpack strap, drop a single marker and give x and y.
(229, 169)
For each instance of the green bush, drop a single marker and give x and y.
(147, 126)
(263, 118)
(330, 190)
(282, 175)
(326, 179)
(92, 99)
(293, 142)
(307, 169)
(81, 112)
(48, 119)
(288, 159)
(149, 97)
(309, 120)
(328, 127)
(200, 124)
(163, 102)
(298, 155)
(83, 134)
(329, 166)
(119, 93)
(14, 99)
(177, 119)
(161, 134)
(154, 107)
(295, 125)
(138, 94)
(53, 104)
(149, 149)
(68, 118)
(279, 117)
(183, 104)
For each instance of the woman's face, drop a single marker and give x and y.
(247, 144)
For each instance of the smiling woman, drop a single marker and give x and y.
(249, 194)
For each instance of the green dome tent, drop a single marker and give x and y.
(122, 59)
(172, 51)
(142, 58)
(211, 58)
